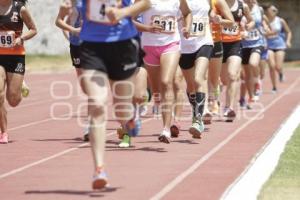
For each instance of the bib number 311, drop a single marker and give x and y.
(96, 10)
(166, 22)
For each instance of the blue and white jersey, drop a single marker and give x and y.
(97, 27)
(276, 42)
(254, 37)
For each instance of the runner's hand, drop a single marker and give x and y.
(115, 14)
(18, 42)
(155, 28)
(76, 31)
(186, 32)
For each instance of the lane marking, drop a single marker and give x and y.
(177, 180)
(263, 164)
(41, 161)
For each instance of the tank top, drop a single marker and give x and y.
(233, 34)
(200, 33)
(276, 42)
(216, 28)
(75, 21)
(254, 37)
(11, 27)
(166, 14)
(97, 28)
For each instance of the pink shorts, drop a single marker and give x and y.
(153, 53)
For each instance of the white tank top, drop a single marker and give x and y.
(165, 13)
(200, 33)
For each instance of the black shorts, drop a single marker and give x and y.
(247, 52)
(13, 63)
(276, 50)
(187, 61)
(231, 49)
(141, 53)
(217, 50)
(118, 60)
(75, 55)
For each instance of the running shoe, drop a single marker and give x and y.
(165, 136)
(215, 110)
(197, 128)
(281, 77)
(274, 90)
(86, 133)
(100, 180)
(243, 104)
(143, 109)
(134, 127)
(175, 129)
(3, 138)
(207, 118)
(126, 141)
(25, 90)
(229, 115)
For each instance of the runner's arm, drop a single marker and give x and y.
(28, 21)
(288, 32)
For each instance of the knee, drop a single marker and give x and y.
(166, 85)
(14, 99)
(2, 98)
(232, 77)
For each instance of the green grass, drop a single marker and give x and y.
(48, 62)
(284, 183)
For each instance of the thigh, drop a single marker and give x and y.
(2, 80)
(95, 84)
(169, 62)
(140, 81)
(279, 58)
(201, 68)
(271, 59)
(14, 84)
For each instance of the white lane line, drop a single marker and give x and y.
(33, 164)
(263, 164)
(170, 186)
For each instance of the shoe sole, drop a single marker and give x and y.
(195, 133)
(230, 117)
(164, 139)
(99, 184)
(174, 131)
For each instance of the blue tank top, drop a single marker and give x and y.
(255, 37)
(97, 28)
(277, 41)
(76, 22)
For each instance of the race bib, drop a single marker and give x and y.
(234, 30)
(7, 39)
(168, 23)
(198, 28)
(252, 35)
(96, 10)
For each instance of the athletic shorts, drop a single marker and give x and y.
(217, 50)
(153, 53)
(187, 61)
(247, 52)
(13, 63)
(264, 55)
(276, 50)
(75, 55)
(118, 60)
(231, 49)
(141, 53)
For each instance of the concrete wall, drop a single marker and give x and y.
(50, 39)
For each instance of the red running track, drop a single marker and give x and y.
(47, 160)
